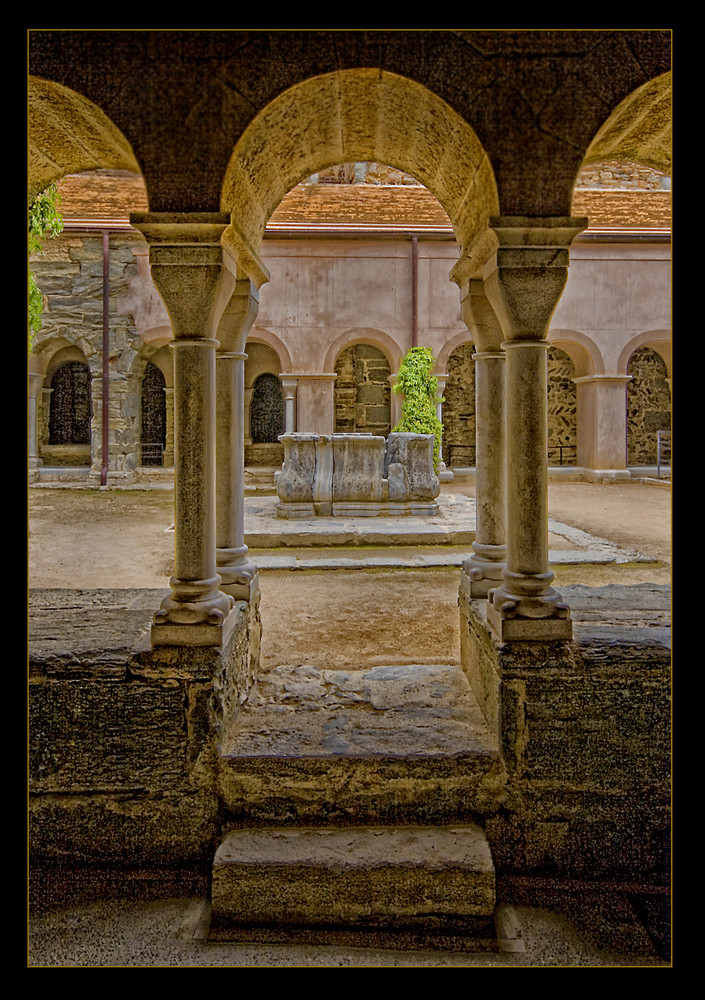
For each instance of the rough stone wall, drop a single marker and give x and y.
(123, 742)
(584, 731)
(362, 391)
(70, 275)
(459, 409)
(648, 406)
(562, 409)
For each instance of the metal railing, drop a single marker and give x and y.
(570, 449)
(663, 445)
(152, 453)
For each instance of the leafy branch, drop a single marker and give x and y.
(420, 389)
(44, 221)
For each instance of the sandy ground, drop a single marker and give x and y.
(115, 539)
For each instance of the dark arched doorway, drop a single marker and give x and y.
(153, 432)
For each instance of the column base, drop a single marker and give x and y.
(478, 576)
(213, 632)
(542, 615)
(240, 580)
(528, 629)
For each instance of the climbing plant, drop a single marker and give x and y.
(420, 390)
(44, 221)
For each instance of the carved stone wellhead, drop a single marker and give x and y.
(357, 475)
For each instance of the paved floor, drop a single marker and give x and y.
(563, 932)
(432, 539)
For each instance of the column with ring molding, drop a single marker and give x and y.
(238, 573)
(524, 282)
(188, 268)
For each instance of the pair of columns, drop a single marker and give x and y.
(212, 304)
(510, 283)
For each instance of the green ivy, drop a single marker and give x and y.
(44, 221)
(420, 390)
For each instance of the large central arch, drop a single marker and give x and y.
(353, 115)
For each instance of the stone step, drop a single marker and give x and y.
(395, 744)
(396, 887)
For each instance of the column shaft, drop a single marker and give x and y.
(236, 571)
(483, 568)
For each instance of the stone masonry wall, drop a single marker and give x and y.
(70, 276)
(362, 391)
(562, 409)
(648, 406)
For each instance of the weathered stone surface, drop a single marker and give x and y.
(123, 737)
(347, 475)
(585, 735)
(413, 877)
(383, 744)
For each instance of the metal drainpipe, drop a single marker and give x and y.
(414, 289)
(106, 356)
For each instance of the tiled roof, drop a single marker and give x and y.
(108, 197)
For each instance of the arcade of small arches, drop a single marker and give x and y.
(362, 403)
(511, 218)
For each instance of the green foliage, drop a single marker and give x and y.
(420, 389)
(44, 221)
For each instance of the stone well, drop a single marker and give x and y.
(357, 475)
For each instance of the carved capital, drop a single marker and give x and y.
(190, 268)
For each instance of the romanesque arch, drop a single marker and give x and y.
(562, 408)
(153, 430)
(362, 393)
(648, 405)
(459, 408)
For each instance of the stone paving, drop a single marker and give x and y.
(452, 527)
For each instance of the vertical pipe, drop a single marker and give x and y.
(106, 356)
(414, 291)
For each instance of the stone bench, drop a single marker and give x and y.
(357, 475)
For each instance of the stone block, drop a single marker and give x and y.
(379, 878)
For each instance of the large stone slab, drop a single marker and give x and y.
(276, 883)
(370, 745)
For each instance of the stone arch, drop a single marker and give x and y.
(69, 412)
(68, 134)
(581, 349)
(464, 337)
(658, 340)
(385, 344)
(259, 335)
(648, 405)
(639, 129)
(562, 408)
(362, 392)
(350, 116)
(459, 407)
(264, 404)
(153, 424)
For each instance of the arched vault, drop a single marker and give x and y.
(354, 115)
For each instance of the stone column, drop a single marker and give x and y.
(524, 283)
(35, 385)
(238, 573)
(602, 425)
(247, 429)
(188, 268)
(444, 474)
(169, 443)
(482, 570)
(289, 385)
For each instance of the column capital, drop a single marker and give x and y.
(238, 316)
(193, 273)
(525, 277)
